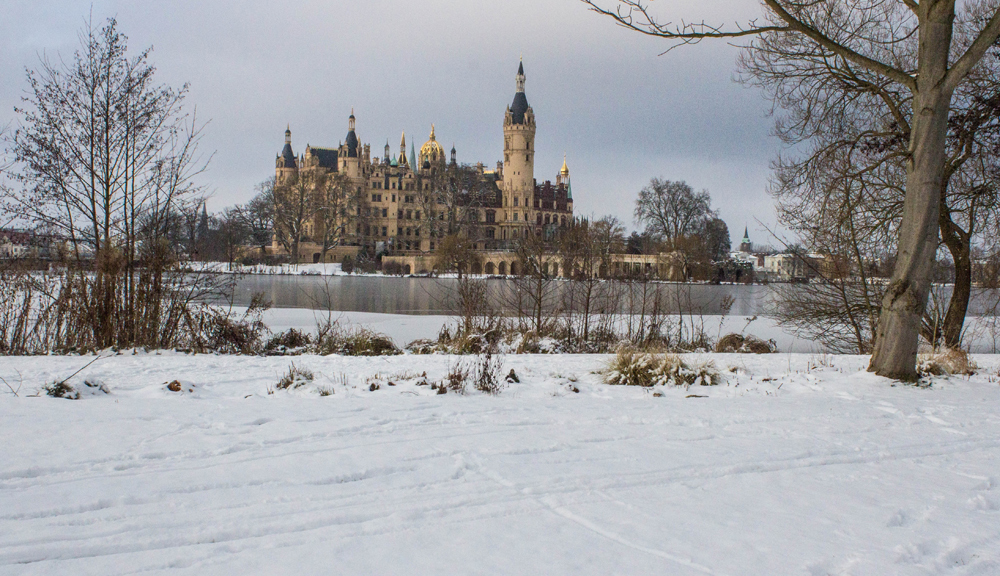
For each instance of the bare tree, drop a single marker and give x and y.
(296, 203)
(258, 216)
(864, 34)
(672, 210)
(336, 211)
(103, 157)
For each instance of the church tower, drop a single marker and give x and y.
(519, 162)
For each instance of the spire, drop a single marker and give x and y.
(287, 156)
(350, 121)
(520, 105)
(352, 138)
(454, 155)
(746, 234)
(387, 150)
(413, 154)
(432, 131)
(565, 168)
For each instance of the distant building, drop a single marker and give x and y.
(398, 215)
(745, 246)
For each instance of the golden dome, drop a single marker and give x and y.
(565, 168)
(432, 151)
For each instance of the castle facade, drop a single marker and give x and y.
(401, 204)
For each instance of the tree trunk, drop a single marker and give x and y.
(898, 332)
(958, 306)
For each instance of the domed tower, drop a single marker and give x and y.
(286, 164)
(519, 157)
(431, 153)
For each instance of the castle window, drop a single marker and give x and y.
(527, 157)
(416, 232)
(489, 233)
(417, 215)
(515, 201)
(409, 214)
(515, 216)
(432, 245)
(385, 212)
(384, 231)
(373, 198)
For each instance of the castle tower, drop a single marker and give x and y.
(286, 164)
(351, 163)
(387, 152)
(402, 150)
(519, 161)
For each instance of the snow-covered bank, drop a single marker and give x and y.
(798, 464)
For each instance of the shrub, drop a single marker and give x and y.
(633, 368)
(392, 269)
(456, 380)
(289, 342)
(62, 390)
(672, 370)
(745, 345)
(630, 368)
(489, 369)
(949, 362)
(361, 342)
(295, 378)
(347, 266)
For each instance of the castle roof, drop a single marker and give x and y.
(327, 157)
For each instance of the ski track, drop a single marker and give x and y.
(816, 471)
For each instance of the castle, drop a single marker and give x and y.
(398, 206)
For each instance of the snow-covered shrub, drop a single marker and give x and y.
(672, 370)
(949, 362)
(630, 368)
(296, 377)
(62, 390)
(360, 342)
(741, 344)
(291, 342)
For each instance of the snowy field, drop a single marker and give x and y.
(797, 464)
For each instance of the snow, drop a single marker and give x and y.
(797, 464)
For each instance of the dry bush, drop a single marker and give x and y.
(288, 343)
(738, 343)
(950, 361)
(360, 342)
(631, 367)
(296, 377)
(456, 380)
(489, 373)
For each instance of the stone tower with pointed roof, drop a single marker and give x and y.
(518, 162)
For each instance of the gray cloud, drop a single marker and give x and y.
(601, 95)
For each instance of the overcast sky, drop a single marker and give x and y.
(601, 95)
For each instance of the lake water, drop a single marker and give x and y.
(435, 296)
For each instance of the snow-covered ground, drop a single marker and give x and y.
(797, 464)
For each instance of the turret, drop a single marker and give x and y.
(454, 155)
(519, 155)
(386, 159)
(287, 158)
(402, 149)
